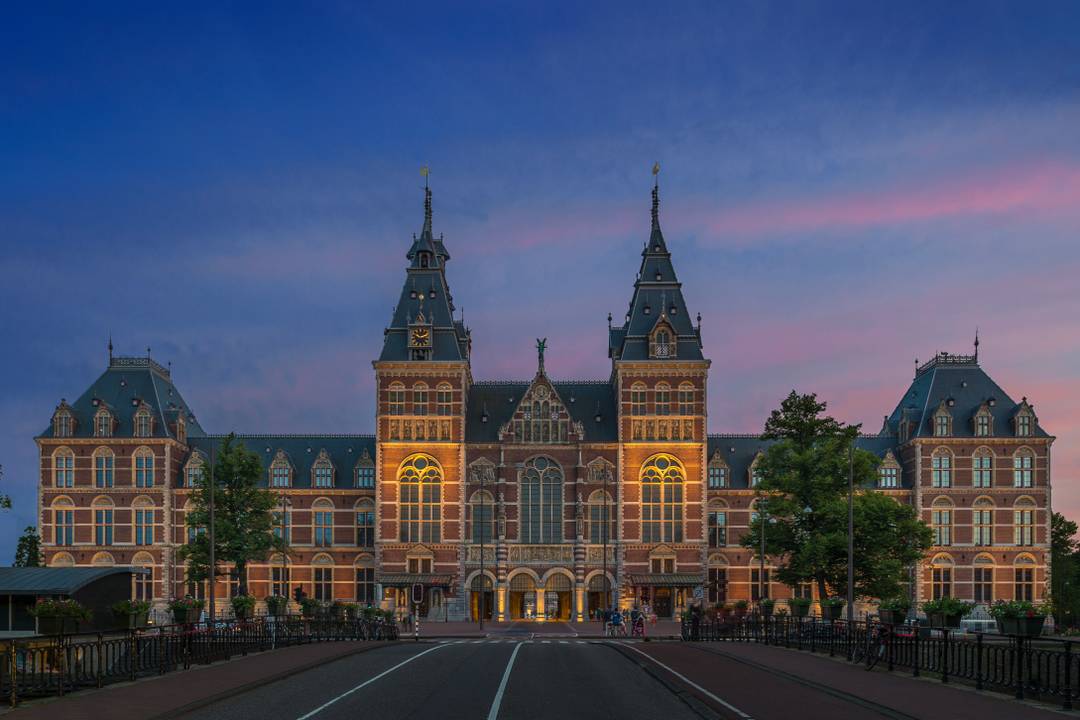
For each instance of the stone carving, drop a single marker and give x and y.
(541, 554)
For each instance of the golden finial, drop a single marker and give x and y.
(656, 168)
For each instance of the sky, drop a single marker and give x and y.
(845, 187)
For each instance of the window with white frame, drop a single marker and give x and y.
(396, 398)
(104, 464)
(64, 468)
(686, 399)
(1023, 461)
(941, 469)
(1024, 523)
(637, 399)
(941, 522)
(444, 397)
(717, 475)
(64, 522)
(420, 399)
(323, 471)
(280, 471)
(888, 476)
(982, 518)
(323, 522)
(663, 399)
(144, 468)
(420, 487)
(982, 469)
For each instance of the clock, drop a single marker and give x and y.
(421, 337)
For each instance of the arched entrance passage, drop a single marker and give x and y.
(558, 597)
(522, 597)
(481, 589)
(599, 594)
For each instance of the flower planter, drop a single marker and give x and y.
(186, 616)
(57, 625)
(132, 621)
(242, 613)
(831, 612)
(1023, 626)
(766, 610)
(276, 609)
(942, 621)
(893, 617)
(800, 611)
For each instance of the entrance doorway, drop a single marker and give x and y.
(558, 598)
(599, 596)
(662, 602)
(522, 597)
(482, 596)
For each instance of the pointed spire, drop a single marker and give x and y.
(656, 237)
(110, 347)
(976, 344)
(427, 211)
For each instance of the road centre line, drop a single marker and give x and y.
(689, 682)
(367, 682)
(494, 712)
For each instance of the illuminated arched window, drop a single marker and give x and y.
(601, 519)
(64, 468)
(420, 487)
(541, 501)
(662, 478)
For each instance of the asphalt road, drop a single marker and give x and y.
(519, 679)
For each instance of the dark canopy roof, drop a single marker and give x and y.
(55, 580)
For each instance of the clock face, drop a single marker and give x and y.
(421, 337)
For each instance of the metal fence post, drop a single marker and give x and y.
(1066, 691)
(945, 655)
(978, 661)
(915, 652)
(13, 665)
(1019, 667)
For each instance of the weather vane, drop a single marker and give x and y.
(425, 171)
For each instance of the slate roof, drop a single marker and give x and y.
(652, 299)
(498, 400)
(125, 384)
(55, 580)
(344, 452)
(959, 379)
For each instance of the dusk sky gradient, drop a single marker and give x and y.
(846, 187)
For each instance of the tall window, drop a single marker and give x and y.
(983, 584)
(1023, 524)
(365, 526)
(942, 524)
(420, 486)
(541, 501)
(420, 399)
(144, 583)
(283, 522)
(717, 528)
(144, 526)
(63, 425)
(686, 399)
(888, 476)
(941, 469)
(143, 423)
(365, 475)
(662, 479)
(280, 471)
(1024, 583)
(64, 468)
(144, 468)
(601, 509)
(324, 473)
(756, 587)
(482, 509)
(637, 399)
(444, 399)
(103, 468)
(324, 582)
(942, 421)
(1023, 425)
(194, 471)
(982, 424)
(755, 474)
(717, 590)
(1022, 463)
(323, 520)
(365, 586)
(397, 399)
(64, 523)
(663, 399)
(103, 424)
(717, 476)
(982, 469)
(982, 515)
(103, 526)
(941, 581)
(279, 577)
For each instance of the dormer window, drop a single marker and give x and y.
(662, 342)
(103, 423)
(181, 429)
(889, 472)
(718, 474)
(144, 422)
(365, 472)
(755, 471)
(194, 470)
(63, 422)
(984, 421)
(322, 472)
(280, 471)
(1024, 420)
(942, 421)
(1023, 426)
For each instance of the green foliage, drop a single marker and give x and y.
(1010, 609)
(832, 602)
(243, 602)
(131, 607)
(60, 608)
(1064, 571)
(186, 604)
(243, 515)
(766, 602)
(900, 603)
(28, 551)
(310, 607)
(804, 488)
(947, 606)
(796, 602)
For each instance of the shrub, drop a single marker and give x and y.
(186, 604)
(131, 607)
(243, 603)
(767, 603)
(60, 609)
(947, 606)
(799, 602)
(896, 604)
(832, 602)
(1010, 609)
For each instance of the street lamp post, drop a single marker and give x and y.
(212, 487)
(483, 531)
(851, 533)
(607, 514)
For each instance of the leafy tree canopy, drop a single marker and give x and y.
(28, 551)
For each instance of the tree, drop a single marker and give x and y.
(5, 500)
(803, 488)
(243, 516)
(28, 551)
(1064, 570)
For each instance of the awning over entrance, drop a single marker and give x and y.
(667, 579)
(410, 579)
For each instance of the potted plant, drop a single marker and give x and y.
(310, 607)
(59, 617)
(894, 610)
(186, 611)
(243, 606)
(766, 606)
(831, 608)
(276, 605)
(1019, 617)
(800, 607)
(132, 614)
(946, 612)
(740, 608)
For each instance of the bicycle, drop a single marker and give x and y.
(873, 650)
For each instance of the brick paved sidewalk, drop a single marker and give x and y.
(170, 693)
(918, 698)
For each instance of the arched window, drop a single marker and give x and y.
(365, 524)
(364, 568)
(663, 399)
(143, 583)
(103, 521)
(322, 471)
(755, 471)
(941, 521)
(283, 520)
(941, 468)
(322, 571)
(1024, 419)
(716, 587)
(103, 559)
(1024, 578)
(194, 469)
(280, 470)
(941, 577)
(279, 575)
(1023, 462)
(982, 468)
(104, 465)
(322, 522)
(1024, 521)
(444, 399)
(103, 423)
(601, 519)
(142, 517)
(420, 399)
(365, 471)
(482, 516)
(64, 468)
(541, 501)
(637, 398)
(717, 524)
(63, 521)
(983, 579)
(396, 399)
(420, 485)
(889, 472)
(63, 422)
(982, 521)
(662, 477)
(143, 468)
(62, 559)
(143, 422)
(686, 398)
(942, 421)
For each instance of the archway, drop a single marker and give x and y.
(558, 597)
(522, 597)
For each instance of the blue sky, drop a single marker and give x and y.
(845, 187)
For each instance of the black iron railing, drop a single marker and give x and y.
(1027, 667)
(58, 664)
